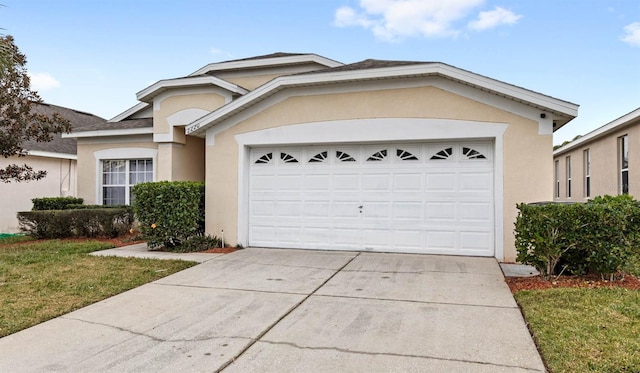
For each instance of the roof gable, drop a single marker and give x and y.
(269, 60)
(369, 70)
(627, 119)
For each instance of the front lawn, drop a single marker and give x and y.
(41, 280)
(585, 330)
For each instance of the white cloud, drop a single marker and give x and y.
(632, 34)
(347, 16)
(392, 20)
(493, 18)
(219, 53)
(43, 81)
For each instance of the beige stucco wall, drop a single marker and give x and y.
(605, 166)
(59, 182)
(166, 106)
(253, 78)
(87, 163)
(527, 155)
(181, 162)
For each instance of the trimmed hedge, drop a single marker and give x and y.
(55, 203)
(169, 212)
(594, 237)
(102, 222)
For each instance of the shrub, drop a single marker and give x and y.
(197, 243)
(599, 236)
(82, 207)
(544, 233)
(55, 203)
(169, 212)
(109, 222)
(613, 234)
(45, 224)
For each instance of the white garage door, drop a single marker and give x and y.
(420, 198)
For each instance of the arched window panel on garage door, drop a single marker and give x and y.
(444, 153)
(345, 156)
(264, 157)
(287, 158)
(377, 156)
(319, 157)
(471, 153)
(407, 153)
(475, 152)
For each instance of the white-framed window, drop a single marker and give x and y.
(557, 173)
(119, 175)
(568, 170)
(623, 147)
(118, 169)
(587, 173)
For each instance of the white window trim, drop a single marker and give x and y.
(374, 130)
(567, 170)
(556, 190)
(621, 151)
(587, 173)
(121, 153)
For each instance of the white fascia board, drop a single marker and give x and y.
(116, 132)
(526, 95)
(600, 132)
(38, 153)
(265, 62)
(129, 112)
(508, 90)
(153, 90)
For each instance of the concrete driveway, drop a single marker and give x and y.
(270, 310)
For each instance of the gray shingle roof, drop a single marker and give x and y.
(78, 119)
(265, 56)
(367, 64)
(124, 124)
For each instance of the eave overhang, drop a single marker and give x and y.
(614, 125)
(563, 111)
(147, 94)
(267, 62)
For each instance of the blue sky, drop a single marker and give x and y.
(94, 55)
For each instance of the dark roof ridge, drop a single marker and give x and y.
(266, 56)
(369, 63)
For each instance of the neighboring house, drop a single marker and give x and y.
(604, 161)
(57, 157)
(300, 151)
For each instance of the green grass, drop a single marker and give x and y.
(41, 280)
(585, 330)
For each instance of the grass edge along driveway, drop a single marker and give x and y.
(41, 280)
(585, 330)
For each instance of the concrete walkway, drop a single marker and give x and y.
(270, 310)
(141, 250)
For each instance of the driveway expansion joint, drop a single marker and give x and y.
(295, 306)
(233, 289)
(154, 338)
(349, 351)
(279, 264)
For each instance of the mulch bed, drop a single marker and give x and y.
(589, 282)
(220, 250)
